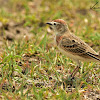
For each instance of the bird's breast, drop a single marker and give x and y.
(58, 39)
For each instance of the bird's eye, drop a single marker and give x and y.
(54, 23)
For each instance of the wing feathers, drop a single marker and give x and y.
(77, 48)
(97, 57)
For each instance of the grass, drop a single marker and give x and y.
(34, 69)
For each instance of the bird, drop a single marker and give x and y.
(71, 45)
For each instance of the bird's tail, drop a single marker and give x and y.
(95, 56)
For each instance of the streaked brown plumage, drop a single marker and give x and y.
(71, 45)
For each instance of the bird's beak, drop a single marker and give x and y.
(49, 23)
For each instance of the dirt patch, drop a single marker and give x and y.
(14, 32)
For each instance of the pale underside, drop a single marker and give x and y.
(76, 49)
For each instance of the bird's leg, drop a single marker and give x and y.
(76, 69)
(74, 73)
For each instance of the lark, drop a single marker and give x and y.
(72, 46)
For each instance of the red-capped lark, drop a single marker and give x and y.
(72, 46)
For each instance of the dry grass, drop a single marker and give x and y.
(31, 67)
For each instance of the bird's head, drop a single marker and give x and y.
(58, 25)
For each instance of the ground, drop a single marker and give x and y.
(31, 66)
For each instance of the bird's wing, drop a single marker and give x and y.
(78, 47)
(72, 45)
